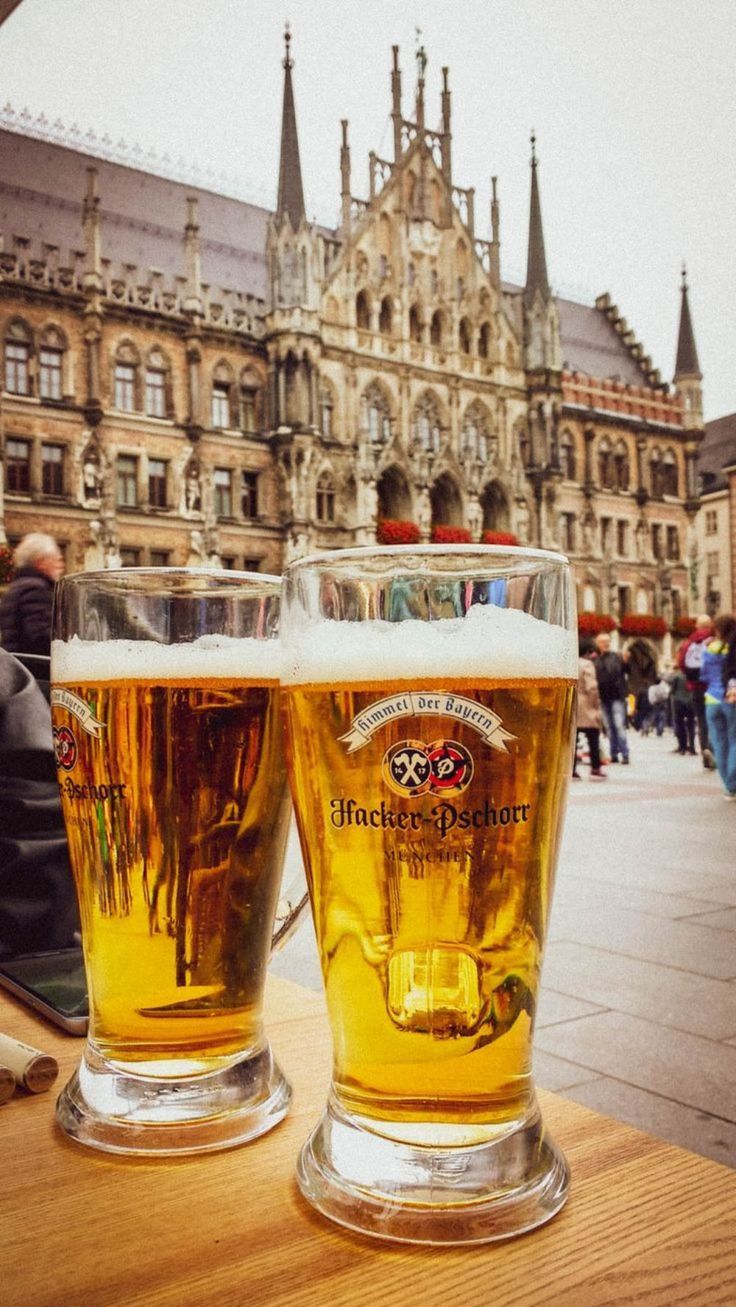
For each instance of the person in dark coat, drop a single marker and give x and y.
(25, 610)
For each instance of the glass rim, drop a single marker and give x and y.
(226, 576)
(459, 551)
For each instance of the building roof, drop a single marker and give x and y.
(291, 195)
(717, 451)
(591, 345)
(536, 265)
(42, 187)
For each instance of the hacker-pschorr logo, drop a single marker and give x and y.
(411, 768)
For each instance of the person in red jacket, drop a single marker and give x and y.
(689, 658)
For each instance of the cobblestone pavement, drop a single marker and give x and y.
(637, 1016)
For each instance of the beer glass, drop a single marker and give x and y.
(429, 696)
(167, 730)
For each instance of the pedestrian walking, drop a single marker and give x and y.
(25, 611)
(683, 712)
(720, 708)
(589, 720)
(609, 670)
(688, 660)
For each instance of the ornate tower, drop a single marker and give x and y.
(292, 332)
(543, 364)
(688, 383)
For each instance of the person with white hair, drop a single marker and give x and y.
(25, 610)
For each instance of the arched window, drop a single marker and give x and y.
(222, 396)
(415, 323)
(463, 334)
(670, 479)
(655, 473)
(435, 328)
(621, 467)
(326, 410)
(157, 384)
(325, 498)
(484, 340)
(567, 456)
(386, 316)
(249, 401)
(18, 347)
(425, 424)
(362, 311)
(375, 414)
(605, 464)
(51, 364)
(475, 432)
(127, 378)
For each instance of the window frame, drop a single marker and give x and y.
(221, 405)
(52, 483)
(158, 498)
(54, 370)
(157, 389)
(249, 494)
(125, 478)
(222, 485)
(14, 462)
(125, 377)
(16, 365)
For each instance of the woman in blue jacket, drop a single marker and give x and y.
(720, 708)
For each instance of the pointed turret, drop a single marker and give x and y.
(688, 378)
(536, 267)
(291, 195)
(687, 364)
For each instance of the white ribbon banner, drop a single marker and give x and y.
(427, 703)
(79, 709)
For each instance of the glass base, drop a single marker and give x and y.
(116, 1110)
(452, 1193)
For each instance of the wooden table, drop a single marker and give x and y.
(645, 1222)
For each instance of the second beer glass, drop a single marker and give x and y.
(168, 739)
(430, 699)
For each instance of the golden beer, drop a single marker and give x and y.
(174, 797)
(429, 813)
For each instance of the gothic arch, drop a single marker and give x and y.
(494, 502)
(475, 431)
(386, 316)
(415, 323)
(464, 336)
(363, 310)
(375, 413)
(325, 495)
(437, 328)
(446, 501)
(426, 422)
(394, 494)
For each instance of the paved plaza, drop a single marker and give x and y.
(638, 1011)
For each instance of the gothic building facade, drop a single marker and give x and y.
(190, 378)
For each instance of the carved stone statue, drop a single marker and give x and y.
(192, 489)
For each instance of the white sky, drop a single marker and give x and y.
(633, 102)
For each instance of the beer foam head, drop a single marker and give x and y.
(212, 657)
(487, 643)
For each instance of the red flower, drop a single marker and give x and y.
(499, 538)
(594, 623)
(642, 624)
(684, 626)
(390, 531)
(450, 535)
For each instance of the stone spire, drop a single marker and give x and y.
(536, 267)
(291, 196)
(687, 364)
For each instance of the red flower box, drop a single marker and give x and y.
(391, 531)
(450, 535)
(643, 624)
(499, 538)
(683, 627)
(594, 623)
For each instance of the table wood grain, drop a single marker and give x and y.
(646, 1223)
